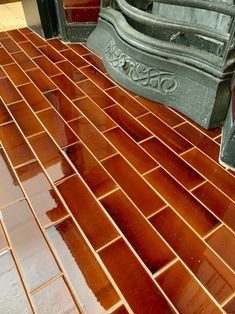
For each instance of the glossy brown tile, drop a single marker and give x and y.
(16, 35)
(135, 284)
(91, 171)
(46, 66)
(57, 128)
(172, 139)
(13, 296)
(35, 39)
(15, 145)
(212, 171)
(182, 201)
(137, 231)
(205, 265)
(133, 185)
(95, 61)
(132, 127)
(51, 53)
(71, 71)
(5, 57)
(92, 112)
(16, 74)
(23, 60)
(74, 58)
(25, 118)
(217, 202)
(63, 105)
(138, 158)
(85, 209)
(68, 87)
(3, 240)
(120, 310)
(3, 35)
(29, 246)
(8, 91)
(10, 45)
(185, 292)
(161, 111)
(172, 163)
(98, 78)
(78, 48)
(230, 306)
(51, 157)
(43, 83)
(96, 94)
(126, 101)
(89, 282)
(33, 97)
(54, 298)
(57, 44)
(2, 73)
(4, 114)
(30, 49)
(88, 134)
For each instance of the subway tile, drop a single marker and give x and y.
(9, 45)
(144, 197)
(8, 91)
(201, 220)
(29, 246)
(30, 49)
(35, 39)
(46, 66)
(74, 58)
(25, 30)
(132, 127)
(78, 48)
(51, 53)
(138, 158)
(137, 231)
(137, 287)
(23, 60)
(16, 35)
(33, 97)
(51, 157)
(25, 118)
(57, 44)
(96, 94)
(57, 128)
(62, 105)
(172, 139)
(88, 134)
(92, 112)
(95, 61)
(54, 298)
(16, 74)
(230, 306)
(89, 168)
(205, 265)
(41, 80)
(71, 71)
(13, 296)
(185, 292)
(98, 78)
(172, 163)
(5, 58)
(15, 144)
(120, 310)
(4, 114)
(126, 101)
(89, 283)
(3, 240)
(212, 171)
(68, 87)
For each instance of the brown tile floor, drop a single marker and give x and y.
(109, 202)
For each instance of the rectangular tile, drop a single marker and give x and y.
(25, 118)
(138, 158)
(46, 66)
(35, 39)
(88, 134)
(8, 91)
(85, 209)
(131, 126)
(51, 53)
(57, 128)
(41, 80)
(4, 114)
(185, 204)
(74, 58)
(137, 287)
(16, 74)
(98, 78)
(54, 298)
(12, 293)
(51, 157)
(30, 49)
(57, 44)
(172, 163)
(126, 101)
(95, 61)
(96, 94)
(10, 45)
(29, 245)
(23, 60)
(3, 240)
(15, 145)
(89, 168)
(71, 71)
(229, 307)
(205, 265)
(172, 139)
(89, 282)
(68, 87)
(2, 73)
(16, 35)
(137, 231)
(5, 57)
(185, 292)
(92, 112)
(3, 35)
(120, 310)
(78, 48)
(145, 198)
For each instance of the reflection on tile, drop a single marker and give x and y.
(54, 298)
(74, 58)
(98, 78)
(8, 91)
(91, 171)
(205, 265)
(134, 186)
(137, 231)
(34, 257)
(96, 61)
(23, 60)
(230, 306)
(71, 71)
(52, 159)
(30, 49)
(46, 66)
(90, 284)
(185, 292)
(16, 74)
(5, 58)
(136, 286)
(85, 209)
(51, 53)
(43, 83)
(4, 114)
(185, 204)
(12, 294)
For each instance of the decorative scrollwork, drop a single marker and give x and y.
(163, 82)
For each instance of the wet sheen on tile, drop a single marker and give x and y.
(71, 71)
(43, 83)
(51, 53)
